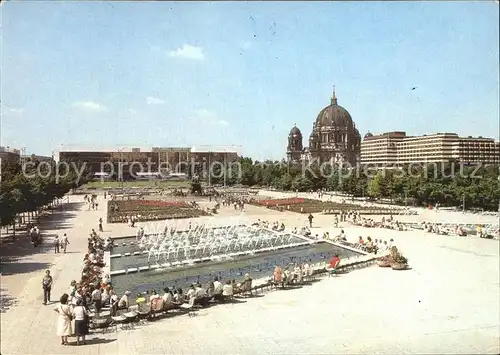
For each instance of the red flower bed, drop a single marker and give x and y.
(282, 201)
(162, 203)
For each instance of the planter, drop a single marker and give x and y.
(399, 266)
(383, 263)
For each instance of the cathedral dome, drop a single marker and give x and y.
(295, 132)
(334, 115)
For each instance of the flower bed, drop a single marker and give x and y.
(153, 203)
(280, 201)
(150, 210)
(304, 205)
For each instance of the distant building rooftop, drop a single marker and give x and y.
(9, 150)
(215, 149)
(78, 148)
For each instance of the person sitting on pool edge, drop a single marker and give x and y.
(200, 295)
(217, 292)
(190, 293)
(335, 261)
(227, 290)
(168, 300)
(141, 302)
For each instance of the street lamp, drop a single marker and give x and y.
(209, 169)
(120, 168)
(0, 189)
(225, 168)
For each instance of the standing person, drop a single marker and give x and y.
(64, 242)
(310, 218)
(81, 322)
(97, 299)
(100, 225)
(56, 245)
(113, 301)
(47, 286)
(64, 319)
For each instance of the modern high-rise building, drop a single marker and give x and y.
(476, 150)
(432, 148)
(381, 149)
(396, 148)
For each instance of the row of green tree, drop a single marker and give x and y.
(447, 184)
(31, 188)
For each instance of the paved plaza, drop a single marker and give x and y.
(449, 302)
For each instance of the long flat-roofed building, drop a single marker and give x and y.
(134, 160)
(476, 150)
(433, 148)
(173, 159)
(8, 154)
(396, 148)
(381, 149)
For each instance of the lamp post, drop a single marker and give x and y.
(499, 198)
(0, 189)
(120, 169)
(225, 169)
(209, 169)
(463, 203)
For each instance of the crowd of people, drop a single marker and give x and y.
(174, 297)
(91, 201)
(93, 289)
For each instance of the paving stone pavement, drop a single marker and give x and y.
(447, 303)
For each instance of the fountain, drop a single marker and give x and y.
(170, 244)
(228, 247)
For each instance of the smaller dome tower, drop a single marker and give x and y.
(295, 148)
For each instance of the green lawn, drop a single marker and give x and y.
(137, 183)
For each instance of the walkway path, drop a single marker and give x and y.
(448, 303)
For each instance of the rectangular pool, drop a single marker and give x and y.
(258, 266)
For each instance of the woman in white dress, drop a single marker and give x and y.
(64, 319)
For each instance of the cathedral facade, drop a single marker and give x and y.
(334, 138)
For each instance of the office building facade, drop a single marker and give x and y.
(396, 149)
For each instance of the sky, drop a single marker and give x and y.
(130, 74)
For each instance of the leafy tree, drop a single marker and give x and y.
(28, 188)
(196, 187)
(302, 184)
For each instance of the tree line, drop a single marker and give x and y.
(29, 190)
(446, 184)
(449, 184)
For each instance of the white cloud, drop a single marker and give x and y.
(89, 106)
(223, 122)
(210, 118)
(154, 101)
(14, 111)
(188, 51)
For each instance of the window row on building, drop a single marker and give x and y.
(396, 148)
(157, 159)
